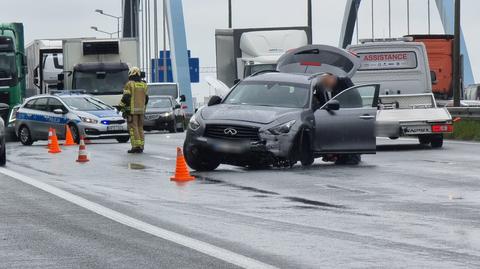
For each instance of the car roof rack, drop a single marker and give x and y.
(67, 92)
(263, 71)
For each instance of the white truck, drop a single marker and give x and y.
(242, 52)
(407, 104)
(99, 66)
(44, 63)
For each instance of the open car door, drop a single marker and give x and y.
(314, 59)
(220, 88)
(350, 128)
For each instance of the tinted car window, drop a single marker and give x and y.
(41, 104)
(276, 94)
(30, 104)
(53, 104)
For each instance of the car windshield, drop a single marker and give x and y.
(156, 102)
(269, 93)
(8, 68)
(83, 103)
(101, 84)
(163, 89)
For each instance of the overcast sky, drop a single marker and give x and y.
(62, 19)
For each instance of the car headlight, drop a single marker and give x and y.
(282, 128)
(193, 124)
(13, 115)
(88, 120)
(167, 114)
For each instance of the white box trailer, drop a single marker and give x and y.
(99, 66)
(44, 63)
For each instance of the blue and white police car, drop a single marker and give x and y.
(85, 115)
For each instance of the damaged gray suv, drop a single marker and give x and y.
(273, 118)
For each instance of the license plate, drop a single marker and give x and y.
(411, 130)
(229, 147)
(115, 128)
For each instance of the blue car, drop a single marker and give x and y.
(85, 115)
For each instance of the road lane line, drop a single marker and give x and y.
(197, 245)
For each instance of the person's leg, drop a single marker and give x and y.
(140, 131)
(131, 130)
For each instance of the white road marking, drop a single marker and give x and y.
(200, 246)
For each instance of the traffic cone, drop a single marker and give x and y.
(50, 135)
(181, 171)
(68, 137)
(54, 147)
(82, 152)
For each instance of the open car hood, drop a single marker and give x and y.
(314, 59)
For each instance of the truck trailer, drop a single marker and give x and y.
(242, 52)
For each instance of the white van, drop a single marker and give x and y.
(400, 67)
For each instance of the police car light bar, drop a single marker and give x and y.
(401, 39)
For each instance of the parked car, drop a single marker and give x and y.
(85, 116)
(164, 113)
(3, 152)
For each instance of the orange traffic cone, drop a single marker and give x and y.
(50, 135)
(82, 152)
(68, 137)
(181, 171)
(54, 147)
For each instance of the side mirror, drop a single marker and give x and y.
(214, 100)
(433, 75)
(61, 77)
(333, 105)
(58, 111)
(4, 106)
(183, 98)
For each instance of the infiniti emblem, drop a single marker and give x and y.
(230, 131)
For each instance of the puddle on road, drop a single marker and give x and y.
(136, 166)
(313, 202)
(206, 180)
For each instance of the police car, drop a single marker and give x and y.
(85, 115)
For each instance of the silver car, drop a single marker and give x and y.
(85, 115)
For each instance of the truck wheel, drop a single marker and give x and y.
(198, 161)
(437, 141)
(348, 159)
(424, 139)
(3, 153)
(25, 136)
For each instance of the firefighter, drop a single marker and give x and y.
(133, 105)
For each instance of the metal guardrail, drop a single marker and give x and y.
(465, 112)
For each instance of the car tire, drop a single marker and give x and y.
(173, 127)
(25, 136)
(348, 159)
(197, 161)
(306, 155)
(75, 133)
(123, 139)
(424, 139)
(437, 141)
(3, 153)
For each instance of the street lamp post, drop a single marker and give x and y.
(94, 28)
(100, 11)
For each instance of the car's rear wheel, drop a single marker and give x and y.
(199, 161)
(437, 141)
(123, 139)
(75, 132)
(3, 153)
(25, 136)
(348, 159)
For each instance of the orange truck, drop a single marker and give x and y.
(440, 58)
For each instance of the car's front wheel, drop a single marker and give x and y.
(306, 153)
(348, 159)
(25, 136)
(199, 161)
(3, 153)
(123, 139)
(75, 133)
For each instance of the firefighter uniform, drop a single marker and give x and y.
(133, 105)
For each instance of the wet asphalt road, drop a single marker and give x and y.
(407, 206)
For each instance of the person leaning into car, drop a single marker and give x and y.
(133, 104)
